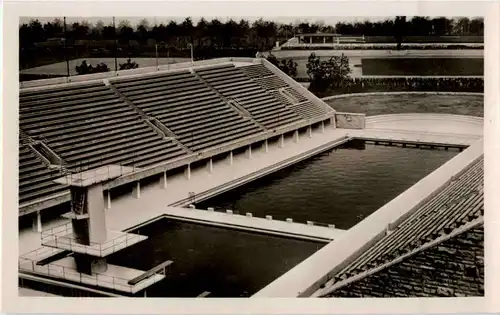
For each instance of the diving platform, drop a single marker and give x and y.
(62, 237)
(115, 278)
(76, 251)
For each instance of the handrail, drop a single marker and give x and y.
(59, 235)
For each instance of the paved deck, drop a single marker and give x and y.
(269, 226)
(31, 293)
(127, 211)
(115, 277)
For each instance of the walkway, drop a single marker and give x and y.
(127, 211)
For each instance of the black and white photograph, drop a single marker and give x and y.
(251, 156)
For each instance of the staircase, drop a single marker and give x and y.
(153, 122)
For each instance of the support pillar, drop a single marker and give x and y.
(37, 222)
(309, 131)
(282, 141)
(137, 190)
(324, 39)
(296, 136)
(163, 180)
(249, 152)
(332, 122)
(210, 166)
(108, 206)
(266, 146)
(230, 157)
(322, 127)
(187, 172)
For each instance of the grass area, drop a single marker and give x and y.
(422, 66)
(410, 103)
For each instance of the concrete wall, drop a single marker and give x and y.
(350, 120)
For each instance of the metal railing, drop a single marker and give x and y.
(62, 237)
(69, 273)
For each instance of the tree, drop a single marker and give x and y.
(462, 26)
(399, 30)
(327, 74)
(142, 32)
(129, 65)
(287, 66)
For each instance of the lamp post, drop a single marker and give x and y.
(156, 54)
(66, 47)
(116, 45)
(191, 46)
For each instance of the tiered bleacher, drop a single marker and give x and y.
(436, 251)
(88, 126)
(147, 119)
(35, 178)
(308, 109)
(282, 98)
(256, 71)
(282, 92)
(197, 116)
(271, 83)
(235, 85)
(299, 97)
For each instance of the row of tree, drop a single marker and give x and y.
(259, 34)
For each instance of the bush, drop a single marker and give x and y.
(85, 68)
(287, 66)
(363, 85)
(129, 65)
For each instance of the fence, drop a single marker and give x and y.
(384, 46)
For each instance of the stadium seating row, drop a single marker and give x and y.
(457, 204)
(35, 177)
(91, 124)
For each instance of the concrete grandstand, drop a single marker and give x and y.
(153, 121)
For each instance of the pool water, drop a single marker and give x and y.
(340, 187)
(222, 261)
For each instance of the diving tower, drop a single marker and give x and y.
(77, 251)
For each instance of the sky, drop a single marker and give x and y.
(157, 20)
